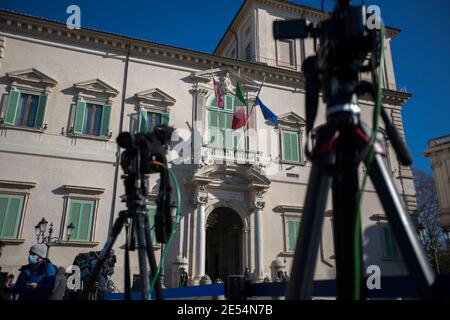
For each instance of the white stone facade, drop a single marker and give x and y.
(52, 164)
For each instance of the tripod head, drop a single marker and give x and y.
(145, 154)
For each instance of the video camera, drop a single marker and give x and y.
(345, 44)
(146, 154)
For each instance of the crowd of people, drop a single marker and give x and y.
(40, 279)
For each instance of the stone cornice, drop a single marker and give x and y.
(40, 28)
(45, 29)
(287, 6)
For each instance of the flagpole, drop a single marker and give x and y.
(254, 102)
(251, 111)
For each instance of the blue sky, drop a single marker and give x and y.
(421, 51)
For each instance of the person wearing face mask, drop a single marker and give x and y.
(37, 278)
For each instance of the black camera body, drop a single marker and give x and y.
(145, 154)
(344, 45)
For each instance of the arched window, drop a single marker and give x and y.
(220, 134)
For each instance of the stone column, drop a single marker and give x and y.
(200, 250)
(259, 246)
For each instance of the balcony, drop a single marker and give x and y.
(212, 154)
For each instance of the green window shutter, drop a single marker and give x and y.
(85, 221)
(106, 115)
(212, 119)
(287, 154)
(292, 233)
(143, 121)
(165, 118)
(79, 117)
(81, 214)
(151, 221)
(212, 127)
(228, 103)
(10, 214)
(11, 110)
(294, 147)
(39, 123)
(74, 217)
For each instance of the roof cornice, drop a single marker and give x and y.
(288, 6)
(44, 28)
(41, 28)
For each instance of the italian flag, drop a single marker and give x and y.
(240, 111)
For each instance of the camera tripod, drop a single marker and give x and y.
(137, 234)
(346, 43)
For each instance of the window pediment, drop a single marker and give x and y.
(291, 119)
(31, 77)
(155, 96)
(96, 87)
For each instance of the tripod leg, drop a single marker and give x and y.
(152, 260)
(302, 274)
(345, 187)
(142, 251)
(117, 227)
(127, 263)
(401, 223)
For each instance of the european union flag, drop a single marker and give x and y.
(267, 113)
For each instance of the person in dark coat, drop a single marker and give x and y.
(37, 278)
(60, 284)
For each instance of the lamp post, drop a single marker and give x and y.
(40, 230)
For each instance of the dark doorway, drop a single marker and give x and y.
(223, 244)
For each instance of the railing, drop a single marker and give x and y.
(228, 155)
(276, 63)
(392, 287)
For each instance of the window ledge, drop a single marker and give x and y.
(19, 128)
(287, 254)
(296, 163)
(12, 241)
(77, 244)
(90, 137)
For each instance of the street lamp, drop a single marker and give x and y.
(70, 229)
(40, 230)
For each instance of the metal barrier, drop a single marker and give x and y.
(391, 288)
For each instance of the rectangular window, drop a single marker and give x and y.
(391, 250)
(293, 227)
(81, 215)
(248, 52)
(11, 207)
(26, 113)
(220, 133)
(291, 146)
(286, 53)
(25, 110)
(92, 119)
(151, 221)
(148, 120)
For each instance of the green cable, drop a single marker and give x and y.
(376, 120)
(174, 228)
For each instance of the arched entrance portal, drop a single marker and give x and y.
(223, 243)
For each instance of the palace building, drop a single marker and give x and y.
(66, 94)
